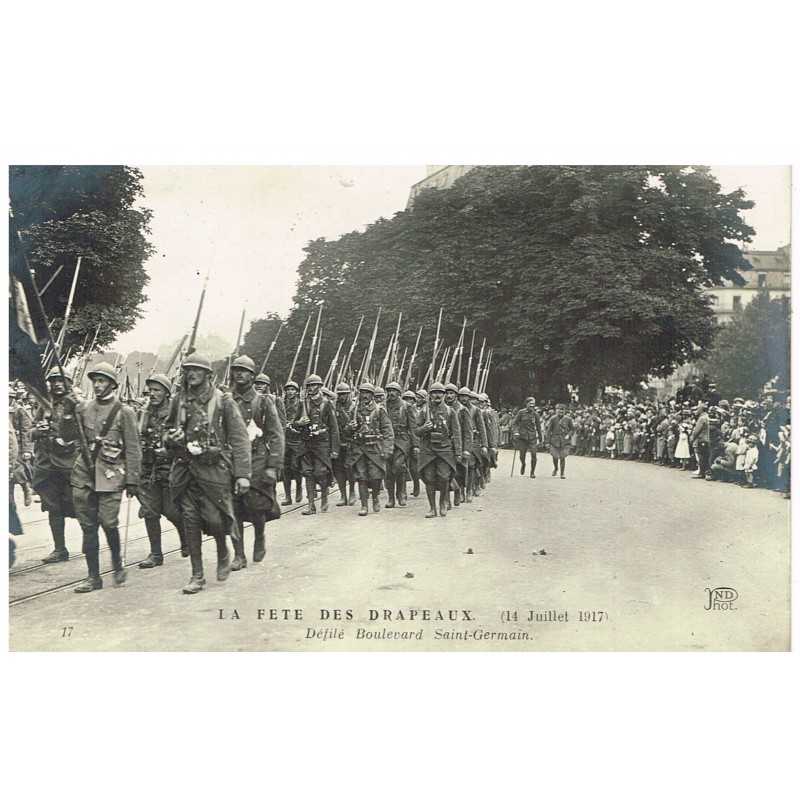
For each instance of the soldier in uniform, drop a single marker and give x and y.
(465, 469)
(262, 385)
(212, 462)
(420, 401)
(527, 431)
(478, 446)
(315, 423)
(110, 460)
(558, 435)
(439, 434)
(155, 500)
(492, 421)
(293, 445)
(372, 444)
(341, 471)
(259, 505)
(403, 422)
(451, 400)
(53, 462)
(20, 422)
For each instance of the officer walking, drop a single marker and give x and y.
(526, 428)
(110, 461)
(558, 433)
(155, 500)
(405, 443)
(259, 505)
(212, 450)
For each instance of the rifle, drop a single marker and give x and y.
(314, 340)
(190, 348)
(370, 350)
(478, 370)
(271, 348)
(299, 347)
(393, 360)
(176, 353)
(469, 363)
(381, 374)
(332, 367)
(63, 333)
(346, 365)
(436, 345)
(413, 359)
(460, 350)
(485, 377)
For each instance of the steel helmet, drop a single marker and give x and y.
(451, 387)
(262, 378)
(436, 387)
(244, 362)
(421, 393)
(394, 385)
(366, 387)
(408, 395)
(312, 379)
(198, 360)
(342, 388)
(56, 373)
(105, 370)
(161, 380)
(465, 390)
(290, 385)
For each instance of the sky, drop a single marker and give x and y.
(246, 226)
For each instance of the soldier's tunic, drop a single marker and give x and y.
(340, 464)
(527, 429)
(467, 437)
(216, 452)
(559, 435)
(20, 422)
(492, 422)
(54, 459)
(155, 499)
(265, 431)
(437, 447)
(318, 439)
(479, 437)
(293, 440)
(372, 443)
(403, 422)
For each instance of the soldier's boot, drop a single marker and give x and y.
(323, 506)
(430, 491)
(400, 492)
(376, 499)
(259, 545)
(120, 573)
(156, 557)
(60, 552)
(298, 495)
(93, 580)
(476, 483)
(533, 468)
(352, 500)
(184, 545)
(27, 494)
(311, 493)
(522, 466)
(223, 557)
(363, 495)
(239, 558)
(342, 492)
(444, 498)
(456, 493)
(287, 492)
(415, 487)
(562, 462)
(390, 487)
(197, 581)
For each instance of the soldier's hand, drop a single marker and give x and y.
(242, 486)
(303, 421)
(70, 400)
(353, 425)
(459, 459)
(427, 426)
(465, 454)
(334, 454)
(131, 490)
(27, 456)
(484, 451)
(415, 450)
(173, 436)
(272, 475)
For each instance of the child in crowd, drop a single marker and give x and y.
(751, 461)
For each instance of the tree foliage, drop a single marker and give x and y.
(586, 275)
(69, 211)
(752, 349)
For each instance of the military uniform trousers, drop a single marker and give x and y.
(97, 509)
(204, 497)
(55, 490)
(155, 499)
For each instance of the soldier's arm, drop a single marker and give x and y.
(458, 439)
(411, 423)
(479, 424)
(238, 440)
(538, 425)
(387, 432)
(273, 431)
(333, 427)
(133, 446)
(24, 428)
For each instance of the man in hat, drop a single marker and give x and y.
(315, 423)
(558, 435)
(259, 504)
(155, 499)
(526, 428)
(372, 444)
(212, 451)
(478, 446)
(419, 402)
(405, 443)
(262, 385)
(341, 472)
(293, 445)
(440, 448)
(457, 482)
(110, 461)
(53, 462)
(700, 440)
(492, 420)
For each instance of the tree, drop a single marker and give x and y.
(64, 212)
(752, 349)
(586, 275)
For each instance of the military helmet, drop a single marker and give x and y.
(198, 360)
(408, 395)
(290, 385)
(451, 387)
(465, 390)
(394, 385)
(161, 380)
(436, 387)
(312, 379)
(105, 370)
(484, 397)
(56, 373)
(421, 393)
(342, 388)
(366, 387)
(244, 362)
(262, 378)
(327, 392)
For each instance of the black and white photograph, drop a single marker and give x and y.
(434, 408)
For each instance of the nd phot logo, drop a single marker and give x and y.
(721, 599)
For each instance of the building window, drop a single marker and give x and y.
(762, 280)
(737, 302)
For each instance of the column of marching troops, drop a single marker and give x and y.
(208, 460)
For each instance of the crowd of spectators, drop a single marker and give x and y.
(741, 441)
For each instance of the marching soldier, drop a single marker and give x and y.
(372, 444)
(155, 500)
(465, 469)
(315, 422)
(53, 462)
(413, 467)
(457, 483)
(293, 445)
(558, 435)
(420, 401)
(492, 421)
(20, 423)
(478, 445)
(440, 435)
(405, 443)
(526, 428)
(262, 385)
(342, 472)
(259, 505)
(212, 448)
(110, 460)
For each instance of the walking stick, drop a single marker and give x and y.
(127, 524)
(513, 461)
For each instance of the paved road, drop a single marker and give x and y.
(629, 552)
